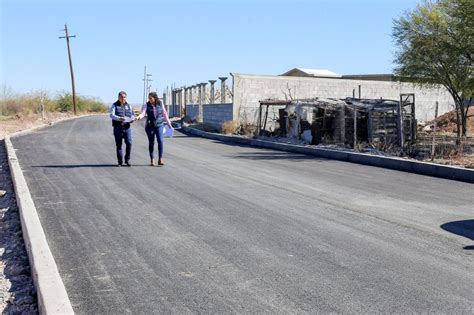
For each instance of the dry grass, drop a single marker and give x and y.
(12, 103)
(230, 127)
(466, 160)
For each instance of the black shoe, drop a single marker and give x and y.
(128, 163)
(120, 164)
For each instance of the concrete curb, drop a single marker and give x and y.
(52, 295)
(399, 164)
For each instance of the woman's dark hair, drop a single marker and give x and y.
(155, 97)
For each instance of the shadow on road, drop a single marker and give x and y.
(88, 166)
(276, 156)
(462, 228)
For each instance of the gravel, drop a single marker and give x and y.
(17, 292)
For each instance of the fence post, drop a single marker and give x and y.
(204, 97)
(342, 123)
(191, 96)
(400, 124)
(180, 102)
(204, 92)
(185, 98)
(433, 143)
(211, 96)
(355, 125)
(222, 89)
(200, 100)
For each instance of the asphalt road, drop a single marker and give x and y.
(233, 229)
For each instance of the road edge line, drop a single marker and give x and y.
(394, 163)
(51, 292)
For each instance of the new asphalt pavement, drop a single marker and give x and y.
(233, 229)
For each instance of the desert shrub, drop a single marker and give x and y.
(230, 127)
(12, 103)
(83, 103)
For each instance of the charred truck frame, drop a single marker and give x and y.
(384, 124)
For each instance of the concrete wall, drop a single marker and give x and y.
(216, 114)
(213, 114)
(173, 110)
(192, 111)
(249, 89)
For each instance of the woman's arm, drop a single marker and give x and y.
(165, 114)
(143, 113)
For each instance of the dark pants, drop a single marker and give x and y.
(153, 132)
(123, 134)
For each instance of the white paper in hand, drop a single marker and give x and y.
(127, 119)
(168, 131)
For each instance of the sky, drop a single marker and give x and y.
(185, 42)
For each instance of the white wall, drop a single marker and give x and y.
(250, 89)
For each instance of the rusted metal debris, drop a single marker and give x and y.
(379, 122)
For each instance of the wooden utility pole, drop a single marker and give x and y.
(70, 67)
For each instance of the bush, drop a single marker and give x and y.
(64, 102)
(230, 127)
(83, 104)
(12, 103)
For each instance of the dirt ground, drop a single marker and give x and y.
(9, 125)
(17, 292)
(446, 123)
(446, 126)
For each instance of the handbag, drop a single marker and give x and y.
(168, 131)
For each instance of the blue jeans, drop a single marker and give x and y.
(123, 134)
(153, 132)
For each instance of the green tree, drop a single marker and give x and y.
(435, 46)
(64, 102)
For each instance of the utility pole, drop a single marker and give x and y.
(146, 87)
(70, 67)
(148, 80)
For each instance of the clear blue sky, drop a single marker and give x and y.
(186, 42)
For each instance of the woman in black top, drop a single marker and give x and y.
(156, 118)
